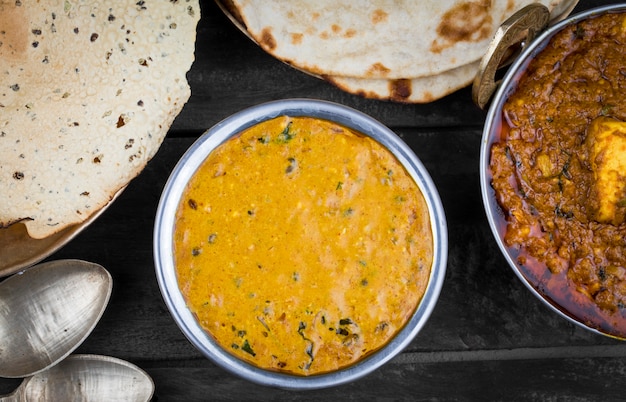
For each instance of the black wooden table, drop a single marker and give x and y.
(488, 338)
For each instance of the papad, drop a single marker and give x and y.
(88, 91)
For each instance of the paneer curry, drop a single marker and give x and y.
(302, 246)
(559, 171)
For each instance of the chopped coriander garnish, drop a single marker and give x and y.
(247, 348)
(286, 135)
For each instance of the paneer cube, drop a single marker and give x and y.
(606, 139)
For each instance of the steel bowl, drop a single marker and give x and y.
(193, 158)
(495, 214)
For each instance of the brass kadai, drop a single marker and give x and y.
(522, 27)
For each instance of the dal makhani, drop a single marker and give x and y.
(302, 246)
(559, 171)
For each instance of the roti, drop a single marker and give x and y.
(88, 91)
(380, 39)
(414, 90)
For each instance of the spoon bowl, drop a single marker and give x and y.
(47, 311)
(86, 378)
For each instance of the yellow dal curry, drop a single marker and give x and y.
(559, 171)
(302, 246)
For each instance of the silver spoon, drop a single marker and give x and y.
(47, 311)
(86, 378)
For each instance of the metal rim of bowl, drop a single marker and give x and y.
(192, 159)
(506, 88)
